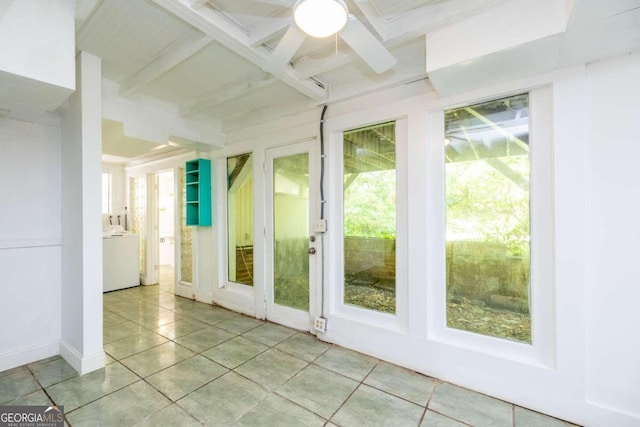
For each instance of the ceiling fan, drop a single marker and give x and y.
(323, 18)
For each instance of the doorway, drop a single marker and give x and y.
(166, 230)
(292, 250)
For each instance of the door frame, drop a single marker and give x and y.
(273, 312)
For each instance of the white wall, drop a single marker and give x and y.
(613, 234)
(30, 214)
(590, 370)
(37, 41)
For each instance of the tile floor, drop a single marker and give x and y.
(175, 362)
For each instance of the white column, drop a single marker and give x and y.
(81, 303)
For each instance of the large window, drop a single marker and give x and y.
(487, 218)
(370, 217)
(240, 218)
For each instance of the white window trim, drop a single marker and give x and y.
(237, 296)
(334, 285)
(238, 287)
(542, 350)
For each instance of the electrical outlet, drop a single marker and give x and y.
(321, 226)
(320, 324)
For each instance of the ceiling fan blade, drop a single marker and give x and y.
(367, 46)
(287, 47)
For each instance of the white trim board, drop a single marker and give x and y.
(28, 355)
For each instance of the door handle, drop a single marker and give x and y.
(312, 251)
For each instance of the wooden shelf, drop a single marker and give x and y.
(198, 192)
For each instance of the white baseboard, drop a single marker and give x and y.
(248, 311)
(601, 416)
(28, 355)
(83, 365)
(185, 290)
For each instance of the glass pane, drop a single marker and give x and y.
(291, 230)
(138, 190)
(240, 218)
(186, 238)
(487, 218)
(370, 217)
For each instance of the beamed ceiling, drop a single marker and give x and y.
(207, 57)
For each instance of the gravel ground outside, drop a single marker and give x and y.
(462, 313)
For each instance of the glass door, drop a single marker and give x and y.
(292, 251)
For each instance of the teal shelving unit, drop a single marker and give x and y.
(198, 191)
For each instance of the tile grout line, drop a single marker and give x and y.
(354, 390)
(400, 397)
(168, 339)
(111, 392)
(40, 384)
(214, 379)
(188, 315)
(236, 335)
(309, 363)
(87, 403)
(144, 379)
(270, 347)
(426, 405)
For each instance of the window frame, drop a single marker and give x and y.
(398, 321)
(242, 287)
(237, 296)
(541, 351)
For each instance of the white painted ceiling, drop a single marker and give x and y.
(206, 56)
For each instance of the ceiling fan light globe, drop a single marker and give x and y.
(320, 18)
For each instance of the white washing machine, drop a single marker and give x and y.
(121, 261)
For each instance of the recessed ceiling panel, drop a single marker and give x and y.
(389, 8)
(248, 13)
(275, 97)
(128, 35)
(212, 68)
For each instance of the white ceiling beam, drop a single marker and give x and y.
(84, 9)
(430, 18)
(397, 31)
(156, 120)
(178, 53)
(231, 91)
(321, 63)
(197, 4)
(371, 15)
(268, 28)
(408, 71)
(268, 113)
(224, 32)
